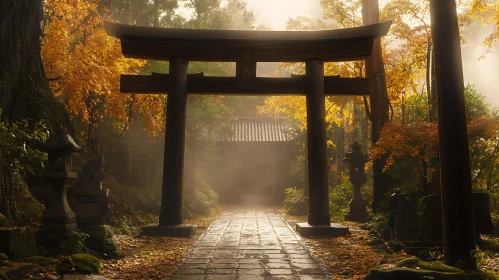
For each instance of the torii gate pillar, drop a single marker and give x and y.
(170, 217)
(319, 223)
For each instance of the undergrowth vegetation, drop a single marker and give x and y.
(133, 207)
(20, 161)
(296, 201)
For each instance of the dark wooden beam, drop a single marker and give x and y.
(198, 84)
(253, 36)
(316, 138)
(225, 45)
(271, 52)
(246, 70)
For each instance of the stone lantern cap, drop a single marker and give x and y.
(356, 146)
(60, 141)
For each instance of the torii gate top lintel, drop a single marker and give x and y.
(226, 45)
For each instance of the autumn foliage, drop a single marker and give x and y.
(418, 140)
(84, 64)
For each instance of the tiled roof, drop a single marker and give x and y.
(260, 130)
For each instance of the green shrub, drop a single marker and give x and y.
(295, 202)
(131, 207)
(199, 201)
(20, 162)
(340, 196)
(86, 264)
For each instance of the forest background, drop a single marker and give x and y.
(72, 78)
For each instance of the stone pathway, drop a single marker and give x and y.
(250, 245)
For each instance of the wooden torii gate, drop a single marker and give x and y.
(246, 48)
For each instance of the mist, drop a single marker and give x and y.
(480, 72)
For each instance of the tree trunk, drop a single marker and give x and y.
(428, 78)
(24, 91)
(375, 72)
(433, 91)
(455, 174)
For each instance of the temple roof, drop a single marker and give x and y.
(227, 45)
(260, 130)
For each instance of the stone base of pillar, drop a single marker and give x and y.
(360, 216)
(358, 212)
(331, 230)
(183, 230)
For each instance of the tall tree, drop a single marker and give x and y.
(455, 174)
(24, 91)
(24, 95)
(375, 71)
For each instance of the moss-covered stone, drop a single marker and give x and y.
(433, 266)
(405, 273)
(4, 222)
(41, 260)
(31, 207)
(97, 231)
(18, 242)
(86, 264)
(415, 269)
(376, 242)
(395, 246)
(72, 246)
(109, 245)
(100, 239)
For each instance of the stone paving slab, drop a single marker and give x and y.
(250, 245)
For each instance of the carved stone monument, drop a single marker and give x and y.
(356, 161)
(87, 198)
(403, 220)
(58, 221)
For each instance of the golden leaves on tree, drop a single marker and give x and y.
(83, 65)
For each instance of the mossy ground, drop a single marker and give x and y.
(489, 243)
(41, 260)
(86, 264)
(433, 266)
(413, 268)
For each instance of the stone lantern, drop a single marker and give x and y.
(356, 161)
(58, 220)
